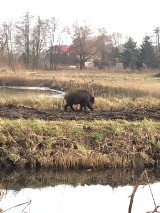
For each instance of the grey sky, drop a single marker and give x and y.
(133, 18)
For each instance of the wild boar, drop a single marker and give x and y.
(82, 97)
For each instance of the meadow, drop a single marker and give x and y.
(82, 144)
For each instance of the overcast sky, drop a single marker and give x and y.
(134, 18)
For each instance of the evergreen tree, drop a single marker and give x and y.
(130, 55)
(147, 54)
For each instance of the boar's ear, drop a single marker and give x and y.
(92, 100)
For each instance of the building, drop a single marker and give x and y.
(60, 55)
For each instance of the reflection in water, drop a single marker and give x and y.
(70, 192)
(17, 180)
(93, 198)
(30, 91)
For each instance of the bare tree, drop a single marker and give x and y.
(157, 33)
(105, 47)
(56, 32)
(117, 39)
(23, 38)
(157, 43)
(53, 27)
(85, 45)
(38, 41)
(9, 31)
(7, 44)
(3, 42)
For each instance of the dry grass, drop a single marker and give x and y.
(117, 144)
(113, 90)
(100, 103)
(100, 83)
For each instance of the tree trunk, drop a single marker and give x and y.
(82, 63)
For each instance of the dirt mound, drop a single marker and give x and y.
(15, 112)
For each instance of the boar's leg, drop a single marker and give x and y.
(90, 107)
(65, 107)
(80, 109)
(71, 106)
(83, 105)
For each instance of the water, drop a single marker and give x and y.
(30, 92)
(70, 192)
(93, 198)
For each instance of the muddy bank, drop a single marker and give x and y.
(59, 142)
(15, 112)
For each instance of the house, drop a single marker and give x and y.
(60, 55)
(89, 64)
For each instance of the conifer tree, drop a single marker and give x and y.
(130, 55)
(147, 53)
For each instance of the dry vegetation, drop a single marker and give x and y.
(85, 144)
(112, 90)
(111, 83)
(98, 144)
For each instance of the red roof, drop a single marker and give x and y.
(65, 48)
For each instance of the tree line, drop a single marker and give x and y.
(25, 43)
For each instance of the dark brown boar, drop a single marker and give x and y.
(82, 97)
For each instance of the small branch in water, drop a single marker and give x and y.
(28, 203)
(132, 196)
(150, 190)
(133, 193)
(155, 210)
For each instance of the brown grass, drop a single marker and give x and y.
(101, 83)
(112, 90)
(106, 144)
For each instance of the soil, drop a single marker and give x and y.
(15, 112)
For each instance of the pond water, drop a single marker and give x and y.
(30, 92)
(78, 192)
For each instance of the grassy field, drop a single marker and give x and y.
(83, 144)
(100, 83)
(112, 90)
